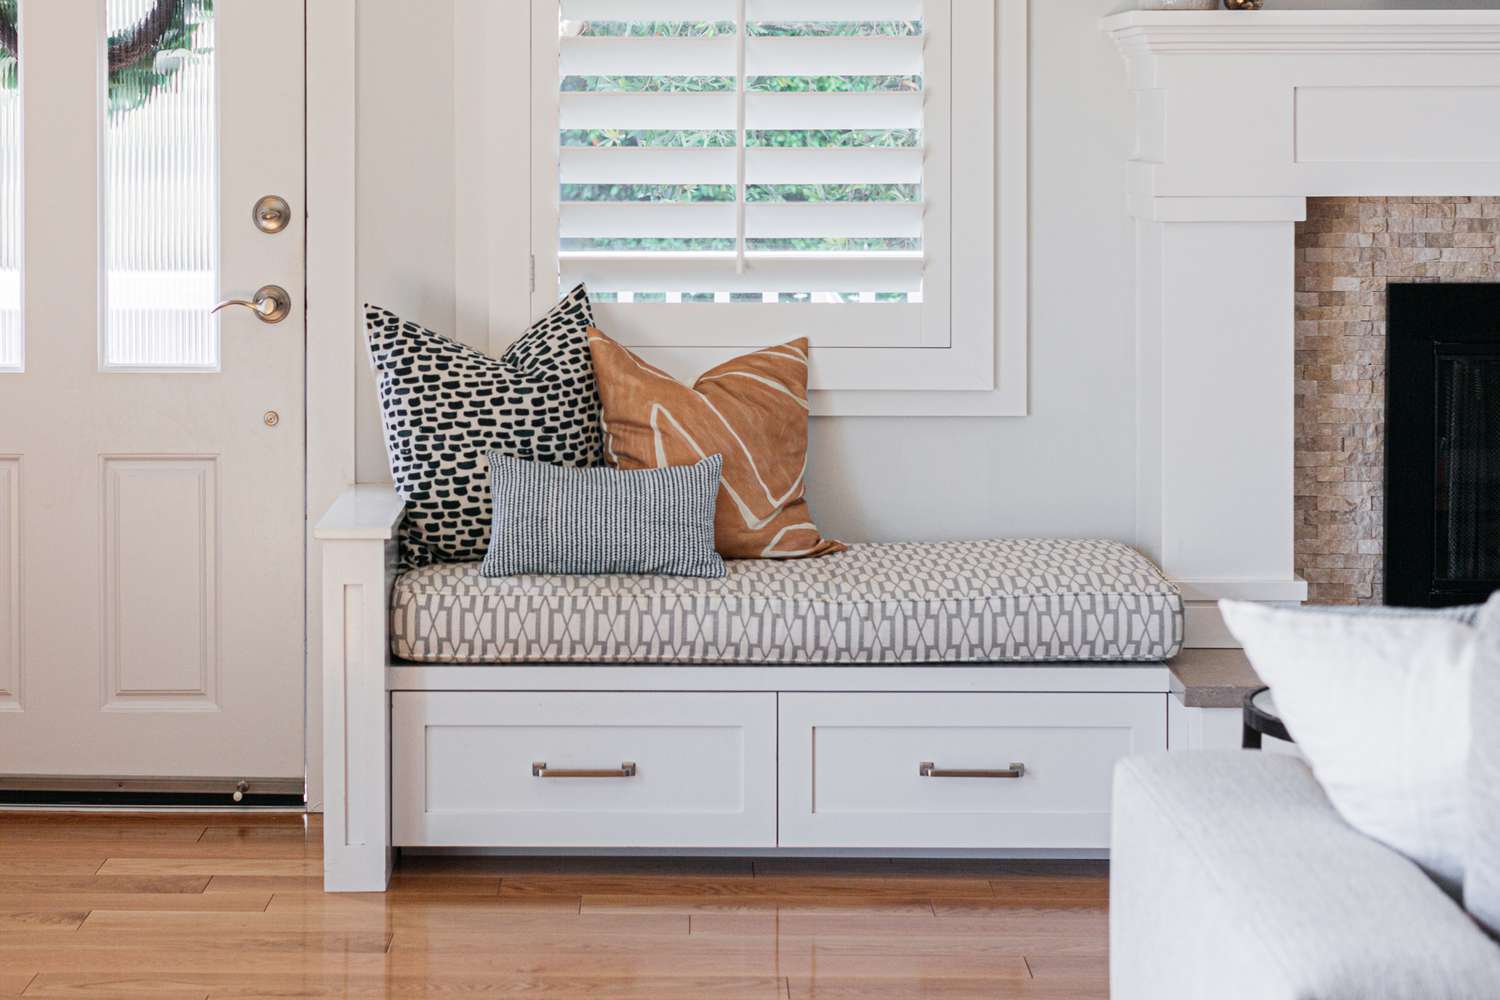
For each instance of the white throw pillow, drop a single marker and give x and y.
(1379, 705)
(1482, 863)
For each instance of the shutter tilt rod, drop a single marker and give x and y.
(741, 28)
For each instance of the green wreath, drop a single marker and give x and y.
(136, 71)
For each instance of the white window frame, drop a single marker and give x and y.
(737, 327)
(973, 362)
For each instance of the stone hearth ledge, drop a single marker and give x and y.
(1213, 678)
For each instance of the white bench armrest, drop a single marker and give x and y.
(369, 512)
(358, 541)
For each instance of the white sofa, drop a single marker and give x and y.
(792, 707)
(1233, 877)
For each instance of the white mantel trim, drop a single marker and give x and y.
(1240, 117)
(1292, 591)
(1162, 31)
(1144, 205)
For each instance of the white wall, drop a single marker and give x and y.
(1069, 468)
(405, 180)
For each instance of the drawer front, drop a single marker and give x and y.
(852, 767)
(660, 770)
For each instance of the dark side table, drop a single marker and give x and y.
(1261, 720)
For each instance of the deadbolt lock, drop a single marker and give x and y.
(272, 214)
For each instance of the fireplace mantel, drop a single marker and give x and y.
(1267, 31)
(1240, 117)
(1300, 103)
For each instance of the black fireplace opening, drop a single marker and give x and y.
(1442, 433)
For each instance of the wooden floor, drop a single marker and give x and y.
(230, 906)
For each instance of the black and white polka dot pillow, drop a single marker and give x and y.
(446, 406)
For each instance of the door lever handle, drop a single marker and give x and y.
(271, 304)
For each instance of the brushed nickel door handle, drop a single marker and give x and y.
(539, 769)
(271, 304)
(928, 769)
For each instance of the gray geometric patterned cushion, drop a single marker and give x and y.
(1001, 601)
(549, 519)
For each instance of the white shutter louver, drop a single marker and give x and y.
(738, 151)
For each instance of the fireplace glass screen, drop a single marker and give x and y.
(1467, 508)
(1442, 438)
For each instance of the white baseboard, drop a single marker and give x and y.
(1031, 854)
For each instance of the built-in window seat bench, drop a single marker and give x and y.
(929, 699)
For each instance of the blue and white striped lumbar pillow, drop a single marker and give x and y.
(556, 520)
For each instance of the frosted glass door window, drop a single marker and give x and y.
(161, 180)
(12, 343)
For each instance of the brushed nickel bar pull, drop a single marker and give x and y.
(928, 769)
(539, 769)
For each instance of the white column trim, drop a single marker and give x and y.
(1204, 627)
(1281, 591)
(333, 310)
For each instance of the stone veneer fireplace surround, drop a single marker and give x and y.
(1348, 251)
(1240, 120)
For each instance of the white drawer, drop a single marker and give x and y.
(704, 770)
(851, 767)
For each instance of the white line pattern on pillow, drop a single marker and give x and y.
(549, 519)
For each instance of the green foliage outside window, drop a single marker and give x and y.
(132, 85)
(9, 79)
(724, 139)
(754, 139)
(140, 65)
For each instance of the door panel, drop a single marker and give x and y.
(167, 573)
(158, 553)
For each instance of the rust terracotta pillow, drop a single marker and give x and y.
(752, 410)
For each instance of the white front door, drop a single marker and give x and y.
(151, 454)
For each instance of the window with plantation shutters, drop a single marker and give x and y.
(725, 174)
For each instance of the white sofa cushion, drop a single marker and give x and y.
(1482, 865)
(1379, 705)
(1233, 878)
